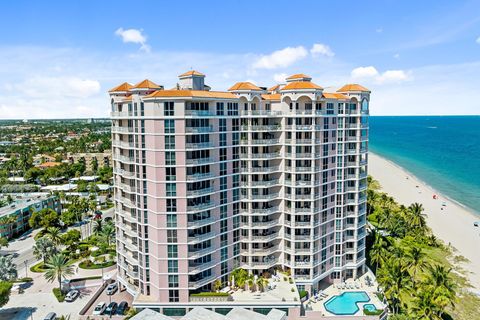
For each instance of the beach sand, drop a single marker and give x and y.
(453, 224)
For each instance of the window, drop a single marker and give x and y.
(170, 174)
(169, 142)
(222, 125)
(172, 266)
(171, 221)
(173, 296)
(172, 251)
(169, 125)
(171, 189)
(173, 281)
(168, 108)
(169, 158)
(220, 109)
(171, 205)
(171, 236)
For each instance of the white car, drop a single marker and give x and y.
(112, 288)
(72, 295)
(100, 308)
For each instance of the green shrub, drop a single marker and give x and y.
(372, 313)
(58, 294)
(303, 294)
(87, 264)
(210, 294)
(25, 279)
(38, 268)
(293, 290)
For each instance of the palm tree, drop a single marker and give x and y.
(416, 217)
(3, 242)
(44, 248)
(439, 280)
(58, 268)
(8, 270)
(393, 277)
(54, 234)
(415, 261)
(97, 226)
(378, 252)
(107, 233)
(424, 307)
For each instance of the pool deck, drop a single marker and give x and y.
(359, 284)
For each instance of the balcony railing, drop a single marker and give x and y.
(199, 192)
(199, 129)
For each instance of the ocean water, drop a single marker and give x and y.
(442, 151)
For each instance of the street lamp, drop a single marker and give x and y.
(26, 268)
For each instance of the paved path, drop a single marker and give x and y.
(39, 300)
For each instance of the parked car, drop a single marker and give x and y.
(122, 308)
(100, 308)
(72, 295)
(50, 316)
(112, 307)
(112, 288)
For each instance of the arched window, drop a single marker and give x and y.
(113, 106)
(364, 105)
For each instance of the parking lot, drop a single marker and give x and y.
(117, 297)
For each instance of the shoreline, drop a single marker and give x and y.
(452, 223)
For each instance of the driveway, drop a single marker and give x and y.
(103, 297)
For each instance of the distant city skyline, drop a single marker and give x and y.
(418, 57)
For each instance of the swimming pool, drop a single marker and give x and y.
(370, 307)
(346, 303)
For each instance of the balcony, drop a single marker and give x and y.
(124, 173)
(118, 129)
(262, 251)
(199, 129)
(200, 192)
(259, 142)
(121, 114)
(263, 183)
(270, 155)
(200, 253)
(199, 161)
(127, 187)
(261, 211)
(261, 113)
(200, 223)
(199, 267)
(270, 196)
(199, 145)
(202, 113)
(262, 169)
(200, 237)
(200, 283)
(201, 206)
(123, 144)
(262, 224)
(267, 237)
(122, 158)
(273, 127)
(263, 264)
(199, 176)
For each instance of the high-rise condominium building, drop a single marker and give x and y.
(261, 179)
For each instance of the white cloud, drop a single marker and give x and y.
(43, 87)
(370, 73)
(281, 58)
(478, 40)
(321, 49)
(396, 55)
(364, 72)
(379, 30)
(133, 36)
(279, 77)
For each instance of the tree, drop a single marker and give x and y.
(424, 307)
(416, 217)
(54, 234)
(97, 226)
(44, 248)
(440, 282)
(3, 242)
(108, 233)
(8, 270)
(415, 260)
(378, 252)
(44, 218)
(69, 217)
(71, 238)
(5, 288)
(58, 268)
(217, 285)
(393, 277)
(7, 222)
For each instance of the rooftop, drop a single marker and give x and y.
(191, 73)
(121, 88)
(244, 86)
(146, 84)
(199, 313)
(22, 201)
(301, 85)
(192, 94)
(353, 87)
(299, 76)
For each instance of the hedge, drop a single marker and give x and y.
(87, 264)
(38, 268)
(372, 313)
(58, 294)
(25, 279)
(210, 294)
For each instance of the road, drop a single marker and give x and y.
(22, 250)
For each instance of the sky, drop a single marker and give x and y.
(58, 59)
